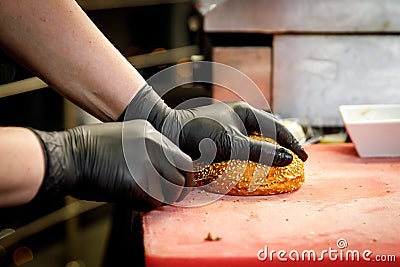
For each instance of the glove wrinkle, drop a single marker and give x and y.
(57, 168)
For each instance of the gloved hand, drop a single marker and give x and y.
(226, 124)
(88, 162)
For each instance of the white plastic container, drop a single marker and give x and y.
(374, 129)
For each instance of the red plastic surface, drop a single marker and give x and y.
(344, 197)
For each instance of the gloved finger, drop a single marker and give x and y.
(268, 153)
(246, 148)
(169, 164)
(154, 181)
(286, 139)
(170, 152)
(269, 126)
(182, 163)
(172, 182)
(255, 119)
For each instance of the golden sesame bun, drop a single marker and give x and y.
(248, 178)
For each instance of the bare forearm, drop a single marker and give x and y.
(21, 166)
(59, 43)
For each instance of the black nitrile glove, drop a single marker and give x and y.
(227, 124)
(88, 162)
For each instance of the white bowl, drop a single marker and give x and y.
(374, 129)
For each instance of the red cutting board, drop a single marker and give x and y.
(344, 198)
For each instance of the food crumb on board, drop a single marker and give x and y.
(211, 237)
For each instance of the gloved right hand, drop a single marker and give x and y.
(88, 162)
(223, 126)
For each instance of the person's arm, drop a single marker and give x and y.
(61, 45)
(21, 166)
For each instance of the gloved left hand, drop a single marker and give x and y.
(129, 163)
(226, 125)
